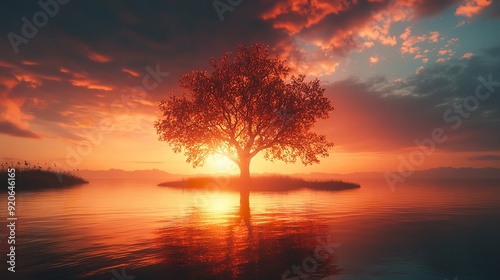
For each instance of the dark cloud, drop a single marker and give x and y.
(14, 130)
(133, 34)
(495, 9)
(70, 75)
(63, 74)
(178, 35)
(485, 157)
(379, 115)
(432, 7)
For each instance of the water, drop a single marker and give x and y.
(434, 229)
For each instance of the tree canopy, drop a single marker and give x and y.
(248, 103)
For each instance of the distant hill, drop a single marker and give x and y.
(441, 172)
(162, 176)
(459, 173)
(153, 174)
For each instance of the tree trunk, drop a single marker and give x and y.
(244, 185)
(244, 169)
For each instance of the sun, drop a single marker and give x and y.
(222, 164)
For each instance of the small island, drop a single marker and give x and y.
(28, 177)
(261, 183)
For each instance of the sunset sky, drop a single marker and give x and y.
(394, 70)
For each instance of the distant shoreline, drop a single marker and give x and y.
(163, 176)
(33, 179)
(260, 183)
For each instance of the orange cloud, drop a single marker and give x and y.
(445, 52)
(368, 44)
(309, 12)
(26, 62)
(374, 59)
(98, 57)
(130, 72)
(77, 75)
(467, 55)
(30, 80)
(434, 37)
(471, 8)
(8, 82)
(13, 121)
(405, 34)
(90, 84)
(50, 78)
(409, 45)
(379, 28)
(314, 64)
(307, 21)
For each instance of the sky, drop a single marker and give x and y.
(412, 82)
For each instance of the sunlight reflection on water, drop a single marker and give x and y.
(424, 230)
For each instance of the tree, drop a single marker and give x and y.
(246, 105)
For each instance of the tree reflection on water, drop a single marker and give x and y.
(242, 246)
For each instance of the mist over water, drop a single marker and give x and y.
(425, 229)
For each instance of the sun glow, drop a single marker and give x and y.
(222, 164)
(222, 203)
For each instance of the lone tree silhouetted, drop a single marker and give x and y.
(247, 104)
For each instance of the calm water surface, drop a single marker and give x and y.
(426, 229)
